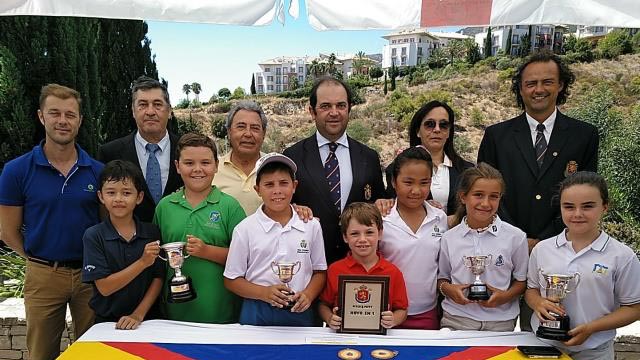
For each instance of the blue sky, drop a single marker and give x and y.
(219, 56)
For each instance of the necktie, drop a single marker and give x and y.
(332, 172)
(541, 144)
(154, 179)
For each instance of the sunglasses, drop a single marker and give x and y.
(431, 124)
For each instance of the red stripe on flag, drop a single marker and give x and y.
(478, 353)
(147, 351)
(455, 12)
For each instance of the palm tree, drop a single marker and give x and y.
(315, 68)
(196, 88)
(359, 63)
(331, 64)
(186, 88)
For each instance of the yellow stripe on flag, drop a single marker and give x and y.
(97, 351)
(517, 355)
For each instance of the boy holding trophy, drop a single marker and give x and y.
(203, 218)
(120, 254)
(276, 260)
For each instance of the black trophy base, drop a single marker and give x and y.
(290, 304)
(181, 291)
(555, 329)
(478, 292)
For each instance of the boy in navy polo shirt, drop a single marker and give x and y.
(120, 254)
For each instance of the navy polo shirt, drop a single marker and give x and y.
(56, 209)
(106, 253)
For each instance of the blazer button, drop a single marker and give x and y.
(538, 197)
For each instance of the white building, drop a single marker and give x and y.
(414, 46)
(584, 31)
(544, 37)
(276, 75)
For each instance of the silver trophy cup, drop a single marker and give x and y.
(477, 264)
(556, 287)
(180, 287)
(285, 271)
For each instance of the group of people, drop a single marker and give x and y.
(92, 233)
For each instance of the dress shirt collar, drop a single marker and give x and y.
(322, 141)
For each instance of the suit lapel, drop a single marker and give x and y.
(522, 138)
(558, 139)
(358, 168)
(315, 169)
(129, 150)
(173, 179)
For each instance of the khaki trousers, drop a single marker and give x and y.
(454, 322)
(47, 291)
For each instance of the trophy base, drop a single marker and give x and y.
(478, 292)
(555, 329)
(181, 291)
(290, 304)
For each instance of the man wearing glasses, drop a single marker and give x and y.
(152, 148)
(333, 169)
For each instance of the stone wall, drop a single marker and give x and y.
(13, 344)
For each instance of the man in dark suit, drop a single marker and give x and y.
(333, 169)
(539, 148)
(152, 148)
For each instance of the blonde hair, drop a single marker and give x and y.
(59, 91)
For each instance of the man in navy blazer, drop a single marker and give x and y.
(359, 166)
(539, 85)
(151, 109)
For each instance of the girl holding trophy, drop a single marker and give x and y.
(481, 244)
(607, 295)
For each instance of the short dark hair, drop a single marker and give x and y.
(585, 178)
(362, 212)
(313, 98)
(414, 153)
(196, 140)
(567, 78)
(145, 83)
(122, 170)
(273, 167)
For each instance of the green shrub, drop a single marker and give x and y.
(12, 272)
(506, 74)
(187, 125)
(223, 107)
(634, 85)
(478, 119)
(219, 126)
(182, 104)
(614, 44)
(360, 131)
(463, 145)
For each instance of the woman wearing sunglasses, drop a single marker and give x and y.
(432, 127)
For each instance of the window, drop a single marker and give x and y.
(598, 29)
(285, 80)
(300, 69)
(259, 79)
(278, 88)
(260, 88)
(278, 80)
(419, 51)
(393, 41)
(267, 69)
(404, 51)
(403, 60)
(393, 52)
(300, 79)
(412, 40)
(515, 40)
(269, 78)
(285, 70)
(270, 87)
(278, 71)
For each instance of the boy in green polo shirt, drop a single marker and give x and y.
(204, 218)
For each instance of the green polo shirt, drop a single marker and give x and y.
(212, 221)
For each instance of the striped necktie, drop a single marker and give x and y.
(541, 144)
(332, 172)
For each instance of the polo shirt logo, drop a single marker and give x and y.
(303, 249)
(499, 260)
(436, 231)
(600, 269)
(215, 216)
(89, 268)
(90, 188)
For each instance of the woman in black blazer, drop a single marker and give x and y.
(432, 127)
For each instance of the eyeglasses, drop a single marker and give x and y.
(431, 124)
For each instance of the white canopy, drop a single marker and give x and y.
(347, 14)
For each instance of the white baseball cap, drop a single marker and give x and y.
(275, 157)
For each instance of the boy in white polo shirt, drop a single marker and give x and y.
(274, 235)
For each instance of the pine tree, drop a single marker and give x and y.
(253, 85)
(384, 89)
(507, 49)
(488, 44)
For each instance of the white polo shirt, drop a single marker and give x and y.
(415, 254)
(508, 247)
(258, 240)
(609, 277)
(440, 182)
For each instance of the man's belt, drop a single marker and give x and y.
(72, 264)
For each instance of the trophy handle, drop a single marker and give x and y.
(466, 261)
(293, 269)
(274, 268)
(490, 257)
(576, 276)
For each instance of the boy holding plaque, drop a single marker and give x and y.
(204, 218)
(276, 261)
(120, 254)
(361, 225)
(607, 295)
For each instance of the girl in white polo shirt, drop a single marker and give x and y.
(608, 294)
(481, 232)
(411, 237)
